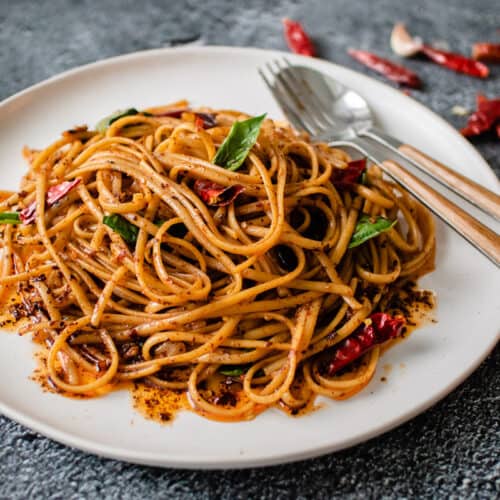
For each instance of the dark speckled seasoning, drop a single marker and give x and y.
(450, 451)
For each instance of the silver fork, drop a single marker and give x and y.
(305, 110)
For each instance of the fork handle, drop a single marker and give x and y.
(486, 199)
(471, 191)
(483, 238)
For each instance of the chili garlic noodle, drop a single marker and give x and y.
(125, 272)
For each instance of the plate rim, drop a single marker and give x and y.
(215, 462)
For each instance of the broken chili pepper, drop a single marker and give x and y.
(207, 120)
(456, 62)
(489, 52)
(484, 118)
(405, 45)
(172, 113)
(214, 194)
(379, 328)
(347, 177)
(394, 72)
(199, 123)
(297, 39)
(54, 194)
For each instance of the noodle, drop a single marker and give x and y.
(132, 275)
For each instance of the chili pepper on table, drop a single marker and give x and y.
(405, 45)
(392, 71)
(297, 39)
(484, 118)
(379, 328)
(456, 62)
(489, 52)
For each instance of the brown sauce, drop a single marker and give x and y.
(162, 405)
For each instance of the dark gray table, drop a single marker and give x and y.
(452, 450)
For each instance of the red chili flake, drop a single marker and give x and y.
(456, 62)
(207, 120)
(489, 52)
(394, 72)
(484, 118)
(54, 194)
(297, 39)
(380, 328)
(173, 113)
(346, 178)
(200, 124)
(214, 194)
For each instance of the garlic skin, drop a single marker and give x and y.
(402, 43)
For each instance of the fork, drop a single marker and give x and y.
(306, 112)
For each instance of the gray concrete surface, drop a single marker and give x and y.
(450, 451)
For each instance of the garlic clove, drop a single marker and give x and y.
(402, 43)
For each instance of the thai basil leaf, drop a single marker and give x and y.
(122, 226)
(108, 120)
(368, 227)
(236, 146)
(238, 370)
(232, 371)
(364, 178)
(10, 218)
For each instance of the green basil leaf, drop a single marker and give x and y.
(108, 120)
(238, 370)
(240, 140)
(232, 371)
(368, 227)
(364, 178)
(122, 226)
(10, 218)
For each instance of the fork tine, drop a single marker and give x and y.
(293, 90)
(309, 94)
(293, 99)
(283, 101)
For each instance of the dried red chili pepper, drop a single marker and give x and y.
(489, 52)
(54, 194)
(206, 119)
(216, 195)
(173, 113)
(456, 62)
(380, 328)
(347, 177)
(484, 118)
(405, 45)
(394, 72)
(297, 39)
(199, 123)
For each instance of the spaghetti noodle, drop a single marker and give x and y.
(134, 256)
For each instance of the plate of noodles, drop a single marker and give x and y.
(190, 282)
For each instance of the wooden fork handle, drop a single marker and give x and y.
(483, 238)
(472, 191)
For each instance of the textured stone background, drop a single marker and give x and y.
(452, 450)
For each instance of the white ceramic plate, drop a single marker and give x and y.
(425, 367)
